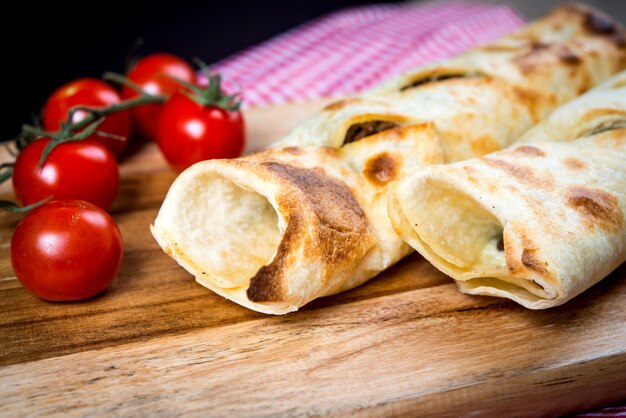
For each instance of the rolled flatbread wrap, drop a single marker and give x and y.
(539, 222)
(308, 218)
(514, 82)
(281, 227)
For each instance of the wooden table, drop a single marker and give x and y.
(406, 343)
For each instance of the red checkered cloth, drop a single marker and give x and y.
(354, 49)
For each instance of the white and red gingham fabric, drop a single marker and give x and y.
(356, 48)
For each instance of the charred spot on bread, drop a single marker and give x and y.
(267, 284)
(530, 150)
(596, 206)
(530, 260)
(364, 129)
(538, 46)
(381, 168)
(601, 24)
(531, 100)
(339, 234)
(535, 55)
(574, 163)
(436, 78)
(293, 150)
(520, 172)
(517, 171)
(569, 57)
(332, 201)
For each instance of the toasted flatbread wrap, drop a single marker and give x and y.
(282, 227)
(539, 222)
(484, 99)
(308, 218)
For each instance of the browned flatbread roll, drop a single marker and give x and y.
(537, 223)
(275, 230)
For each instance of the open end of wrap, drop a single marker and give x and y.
(361, 126)
(462, 238)
(235, 233)
(458, 229)
(361, 130)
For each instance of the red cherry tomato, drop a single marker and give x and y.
(189, 132)
(82, 170)
(66, 250)
(153, 74)
(92, 93)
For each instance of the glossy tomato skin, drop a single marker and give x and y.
(153, 73)
(66, 250)
(83, 170)
(189, 132)
(92, 93)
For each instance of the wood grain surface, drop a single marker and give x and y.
(406, 343)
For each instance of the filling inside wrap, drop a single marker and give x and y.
(439, 75)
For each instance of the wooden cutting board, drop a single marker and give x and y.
(406, 343)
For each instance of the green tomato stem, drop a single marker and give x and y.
(71, 131)
(96, 113)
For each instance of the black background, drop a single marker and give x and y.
(51, 43)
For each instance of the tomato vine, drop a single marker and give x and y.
(73, 131)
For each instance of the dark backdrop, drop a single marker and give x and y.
(50, 44)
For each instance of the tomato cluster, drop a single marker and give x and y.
(70, 248)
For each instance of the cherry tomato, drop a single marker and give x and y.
(92, 93)
(153, 74)
(189, 132)
(82, 170)
(66, 250)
